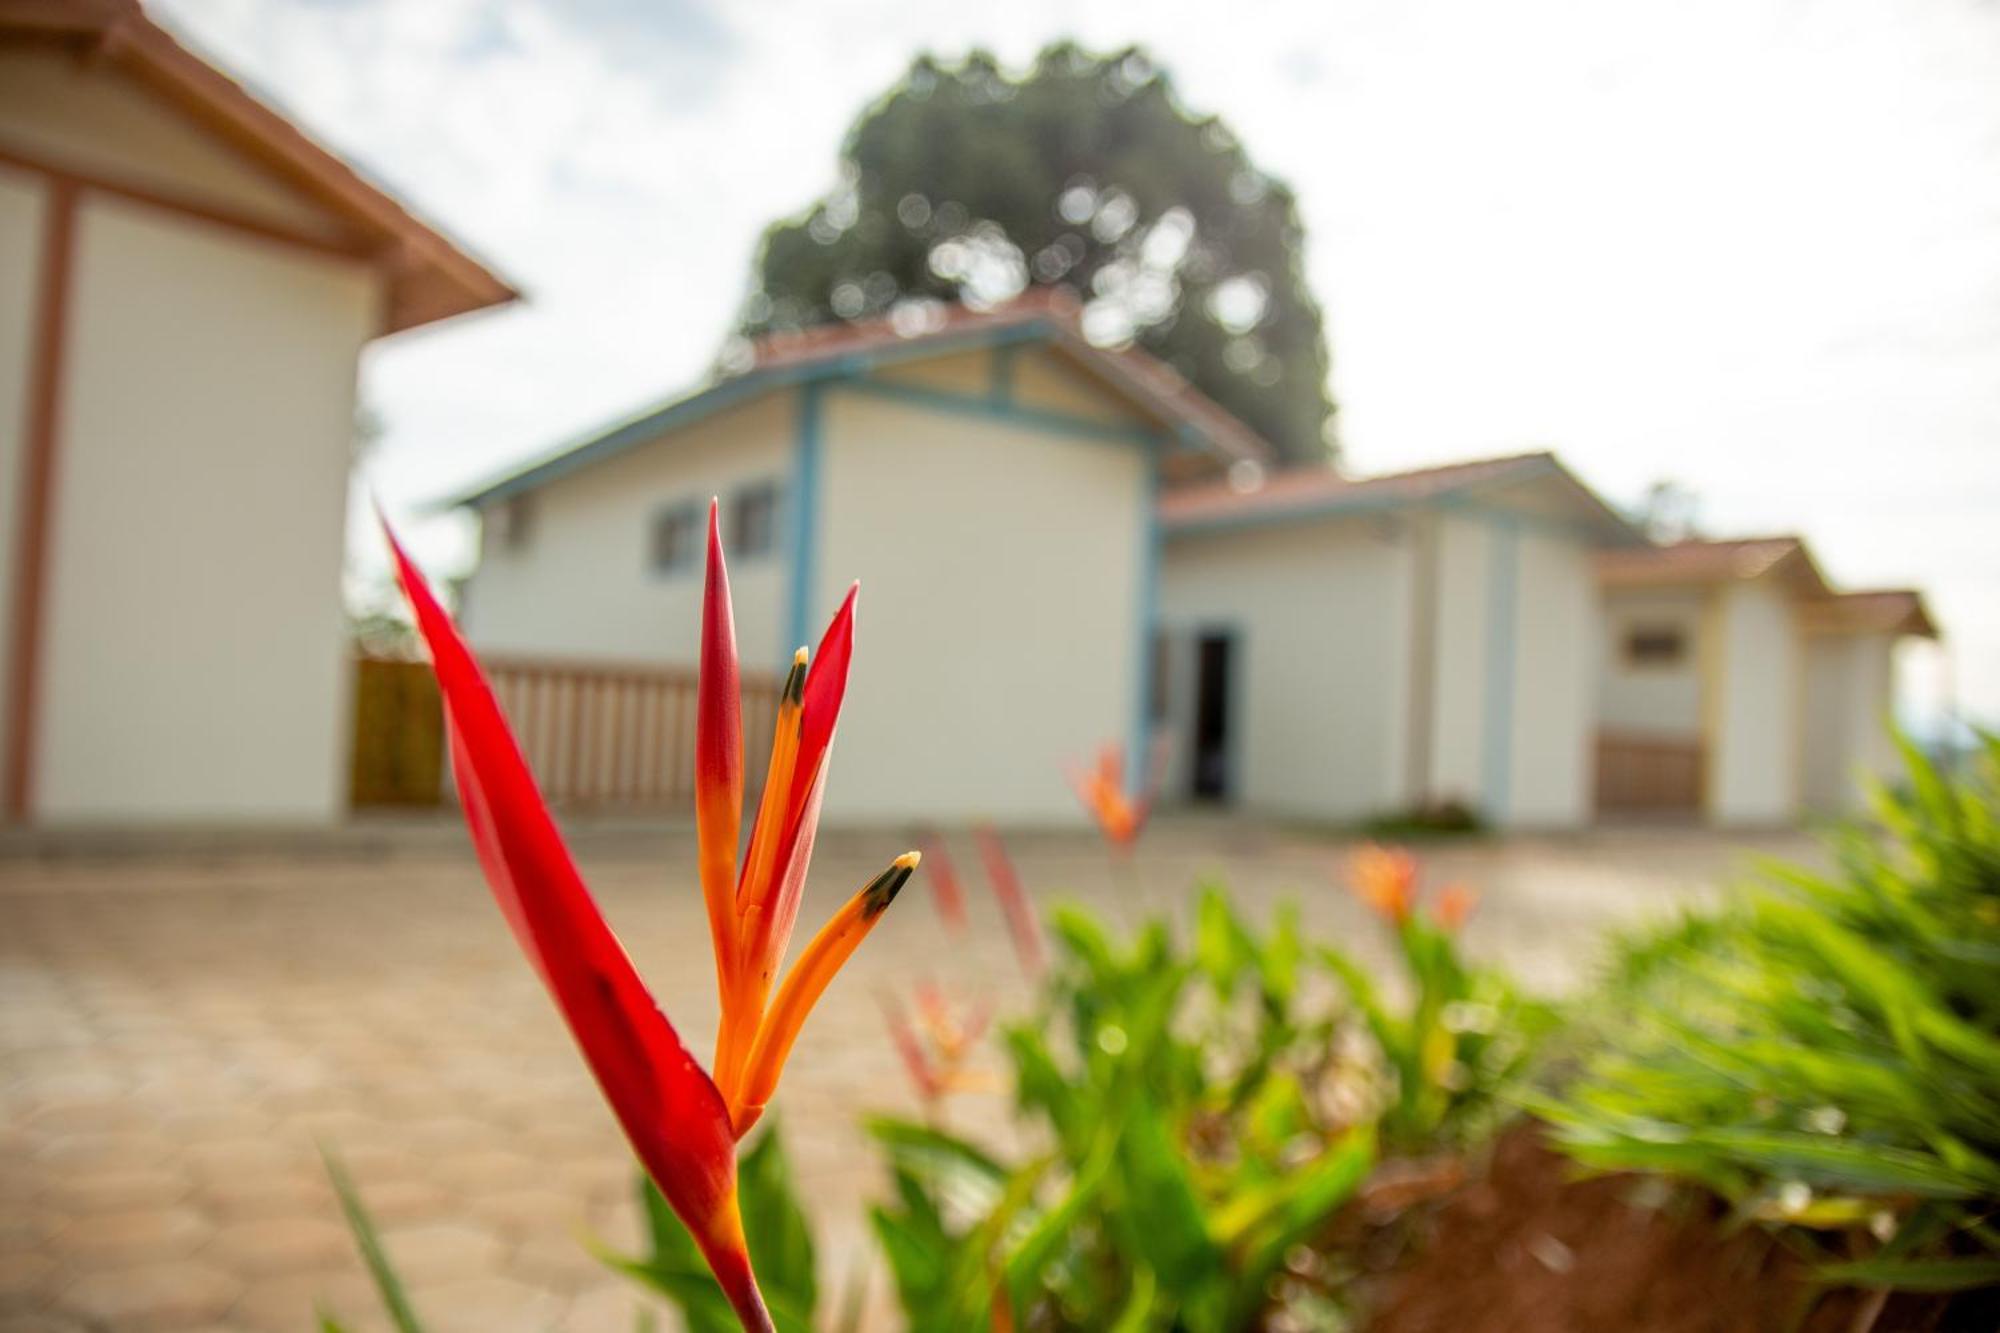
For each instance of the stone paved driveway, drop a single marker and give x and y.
(178, 1030)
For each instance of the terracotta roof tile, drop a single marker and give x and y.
(1129, 372)
(1701, 560)
(1317, 490)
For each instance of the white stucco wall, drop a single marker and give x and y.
(998, 627)
(1551, 742)
(1652, 699)
(1849, 685)
(1754, 753)
(196, 662)
(22, 212)
(1459, 691)
(583, 586)
(1514, 652)
(1321, 614)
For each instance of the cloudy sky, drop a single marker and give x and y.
(1749, 245)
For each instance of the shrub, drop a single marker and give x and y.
(1823, 1053)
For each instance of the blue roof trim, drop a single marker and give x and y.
(686, 411)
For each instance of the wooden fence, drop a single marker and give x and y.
(599, 736)
(398, 755)
(1648, 775)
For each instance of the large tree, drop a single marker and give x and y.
(965, 183)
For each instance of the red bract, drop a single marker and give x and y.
(1013, 899)
(946, 892)
(683, 1125)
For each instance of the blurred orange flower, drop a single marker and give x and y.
(1119, 816)
(1455, 903)
(1385, 878)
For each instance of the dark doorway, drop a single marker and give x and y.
(1215, 655)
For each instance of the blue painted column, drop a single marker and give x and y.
(1138, 756)
(808, 449)
(1503, 615)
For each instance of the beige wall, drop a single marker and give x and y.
(1755, 752)
(998, 626)
(1652, 700)
(22, 213)
(1849, 684)
(583, 585)
(1552, 739)
(1321, 613)
(1512, 736)
(1459, 680)
(195, 662)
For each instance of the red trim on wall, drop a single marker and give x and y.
(37, 496)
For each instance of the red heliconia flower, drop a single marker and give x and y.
(1385, 878)
(1119, 815)
(682, 1123)
(1455, 903)
(1022, 927)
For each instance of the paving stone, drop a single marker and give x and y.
(280, 1244)
(612, 1307)
(439, 1250)
(117, 1189)
(490, 1304)
(158, 1233)
(288, 1302)
(167, 1296)
(407, 1200)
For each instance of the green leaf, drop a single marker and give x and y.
(1914, 1274)
(781, 1244)
(395, 1302)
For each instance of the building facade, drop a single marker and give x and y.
(1342, 650)
(186, 283)
(1739, 687)
(989, 481)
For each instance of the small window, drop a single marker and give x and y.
(1655, 646)
(676, 539)
(753, 520)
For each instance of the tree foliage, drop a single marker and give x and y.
(966, 184)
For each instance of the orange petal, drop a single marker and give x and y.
(743, 1002)
(807, 981)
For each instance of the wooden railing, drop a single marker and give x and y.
(603, 736)
(1649, 775)
(599, 736)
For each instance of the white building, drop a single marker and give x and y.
(1738, 686)
(186, 282)
(1339, 649)
(989, 478)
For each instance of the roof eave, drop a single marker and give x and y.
(430, 277)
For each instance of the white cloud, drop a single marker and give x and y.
(1750, 244)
